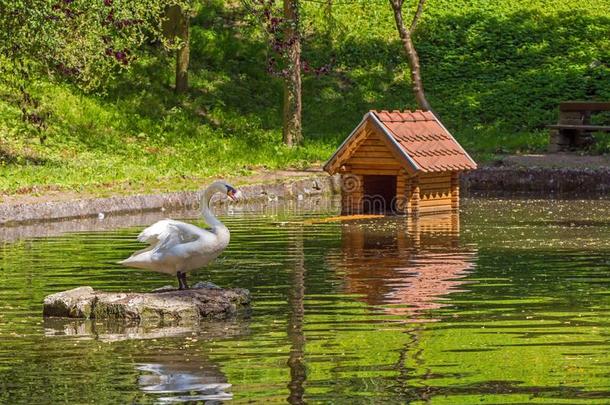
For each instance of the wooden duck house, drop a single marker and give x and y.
(400, 162)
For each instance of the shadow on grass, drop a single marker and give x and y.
(11, 158)
(493, 80)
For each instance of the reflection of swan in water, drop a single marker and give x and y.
(405, 268)
(175, 374)
(184, 373)
(190, 380)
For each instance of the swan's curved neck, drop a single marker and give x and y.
(207, 213)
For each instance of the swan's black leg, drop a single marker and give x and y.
(182, 281)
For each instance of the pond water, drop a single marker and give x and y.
(509, 303)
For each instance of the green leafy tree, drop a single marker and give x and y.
(85, 41)
(283, 27)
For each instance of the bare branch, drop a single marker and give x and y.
(412, 57)
(418, 13)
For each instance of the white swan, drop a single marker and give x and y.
(177, 247)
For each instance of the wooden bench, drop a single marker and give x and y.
(574, 129)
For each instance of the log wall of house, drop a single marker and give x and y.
(352, 193)
(435, 194)
(403, 193)
(455, 191)
(423, 194)
(372, 156)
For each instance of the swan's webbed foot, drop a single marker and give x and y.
(182, 285)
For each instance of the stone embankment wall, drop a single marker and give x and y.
(537, 182)
(11, 214)
(484, 182)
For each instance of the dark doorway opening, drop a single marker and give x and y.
(379, 194)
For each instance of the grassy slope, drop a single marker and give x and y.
(494, 71)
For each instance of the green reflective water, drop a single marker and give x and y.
(511, 306)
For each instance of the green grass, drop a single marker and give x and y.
(494, 72)
(94, 142)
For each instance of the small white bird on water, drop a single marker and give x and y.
(178, 248)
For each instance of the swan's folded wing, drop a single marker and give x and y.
(151, 234)
(163, 231)
(170, 237)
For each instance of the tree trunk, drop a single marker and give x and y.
(412, 58)
(182, 54)
(330, 22)
(292, 81)
(176, 25)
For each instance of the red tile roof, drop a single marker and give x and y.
(425, 140)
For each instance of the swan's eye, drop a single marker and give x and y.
(232, 193)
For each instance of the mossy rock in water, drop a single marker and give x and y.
(171, 306)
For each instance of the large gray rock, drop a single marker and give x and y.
(173, 306)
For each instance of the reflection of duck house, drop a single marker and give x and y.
(403, 162)
(405, 270)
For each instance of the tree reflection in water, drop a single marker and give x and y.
(405, 267)
(296, 297)
(400, 265)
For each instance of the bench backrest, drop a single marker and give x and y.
(592, 106)
(579, 112)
